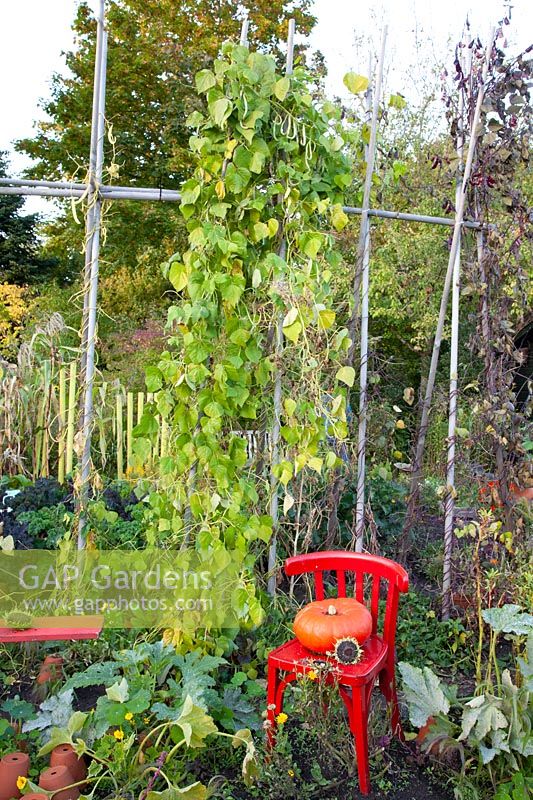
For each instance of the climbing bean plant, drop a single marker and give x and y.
(262, 209)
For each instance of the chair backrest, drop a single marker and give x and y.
(360, 564)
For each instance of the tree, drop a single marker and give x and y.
(19, 245)
(155, 48)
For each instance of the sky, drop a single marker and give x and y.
(33, 34)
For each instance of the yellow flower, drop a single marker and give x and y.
(21, 782)
(118, 734)
(146, 720)
(128, 716)
(290, 773)
(281, 718)
(312, 675)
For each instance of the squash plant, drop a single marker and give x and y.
(262, 209)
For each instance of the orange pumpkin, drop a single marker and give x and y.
(320, 625)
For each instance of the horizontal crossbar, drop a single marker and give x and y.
(66, 190)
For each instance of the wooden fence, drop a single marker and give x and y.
(39, 419)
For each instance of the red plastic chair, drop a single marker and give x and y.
(355, 681)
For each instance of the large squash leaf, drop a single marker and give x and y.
(423, 692)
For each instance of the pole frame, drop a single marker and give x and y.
(426, 405)
(96, 192)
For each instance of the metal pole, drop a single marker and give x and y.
(419, 453)
(400, 215)
(92, 188)
(62, 189)
(449, 501)
(274, 512)
(51, 184)
(363, 269)
(244, 31)
(92, 297)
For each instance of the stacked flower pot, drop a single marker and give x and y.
(66, 769)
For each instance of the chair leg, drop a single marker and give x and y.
(359, 726)
(387, 684)
(272, 691)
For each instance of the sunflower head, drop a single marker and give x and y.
(347, 650)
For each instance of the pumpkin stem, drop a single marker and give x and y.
(332, 610)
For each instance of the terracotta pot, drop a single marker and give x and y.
(64, 755)
(51, 669)
(12, 767)
(54, 779)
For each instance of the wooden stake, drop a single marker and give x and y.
(129, 427)
(120, 435)
(71, 418)
(61, 420)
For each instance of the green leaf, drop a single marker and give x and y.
(397, 101)
(76, 722)
(423, 692)
(178, 275)
(104, 674)
(355, 83)
(250, 765)
(346, 375)
(119, 692)
(281, 87)
(220, 110)
(195, 791)
(326, 317)
(338, 217)
(509, 619)
(147, 426)
(205, 80)
(190, 192)
(311, 244)
(292, 332)
(195, 724)
(290, 406)
(153, 379)
(481, 715)
(256, 278)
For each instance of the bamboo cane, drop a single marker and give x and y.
(129, 427)
(119, 436)
(71, 418)
(62, 425)
(38, 441)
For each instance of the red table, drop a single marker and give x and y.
(49, 629)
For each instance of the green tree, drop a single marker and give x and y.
(155, 48)
(20, 262)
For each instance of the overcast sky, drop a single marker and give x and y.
(34, 32)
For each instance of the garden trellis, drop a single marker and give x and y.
(95, 193)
